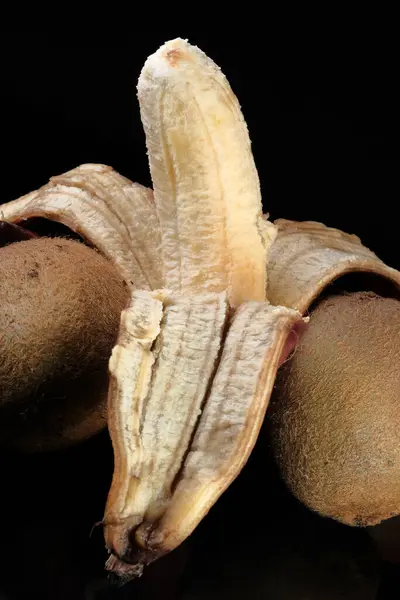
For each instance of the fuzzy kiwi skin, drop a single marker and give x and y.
(334, 419)
(60, 308)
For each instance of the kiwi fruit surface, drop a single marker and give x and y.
(60, 308)
(335, 414)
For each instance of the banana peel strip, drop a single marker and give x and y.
(307, 256)
(110, 212)
(156, 396)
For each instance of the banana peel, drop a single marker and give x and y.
(107, 210)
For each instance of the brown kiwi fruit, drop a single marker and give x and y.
(60, 308)
(334, 419)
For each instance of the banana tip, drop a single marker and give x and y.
(168, 57)
(172, 58)
(174, 51)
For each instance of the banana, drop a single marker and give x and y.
(220, 342)
(206, 186)
(185, 414)
(106, 209)
(193, 366)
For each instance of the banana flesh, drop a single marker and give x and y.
(205, 182)
(115, 215)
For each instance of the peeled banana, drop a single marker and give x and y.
(216, 355)
(205, 182)
(205, 386)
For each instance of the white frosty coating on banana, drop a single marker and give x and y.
(206, 185)
(116, 216)
(185, 355)
(131, 366)
(231, 418)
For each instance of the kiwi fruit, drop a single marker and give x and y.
(60, 308)
(279, 550)
(335, 413)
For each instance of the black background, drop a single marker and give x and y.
(323, 117)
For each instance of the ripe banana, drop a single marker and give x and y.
(206, 186)
(185, 419)
(194, 425)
